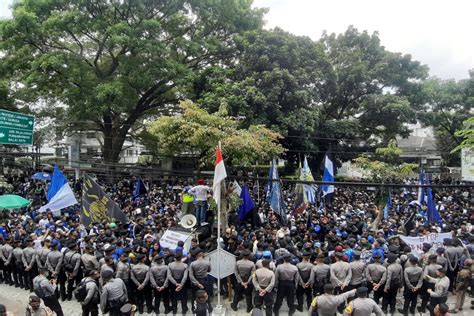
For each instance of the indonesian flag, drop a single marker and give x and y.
(219, 175)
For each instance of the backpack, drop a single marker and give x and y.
(69, 267)
(80, 293)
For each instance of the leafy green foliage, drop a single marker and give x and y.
(467, 134)
(197, 132)
(112, 62)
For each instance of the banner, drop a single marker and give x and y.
(97, 206)
(416, 243)
(171, 237)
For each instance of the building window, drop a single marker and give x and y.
(90, 135)
(91, 151)
(130, 152)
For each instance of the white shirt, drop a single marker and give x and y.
(200, 192)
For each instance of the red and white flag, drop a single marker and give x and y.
(219, 175)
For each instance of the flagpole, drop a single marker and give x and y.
(219, 306)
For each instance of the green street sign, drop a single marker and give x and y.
(16, 128)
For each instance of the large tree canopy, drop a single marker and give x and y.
(111, 62)
(318, 94)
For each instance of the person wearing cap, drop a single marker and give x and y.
(321, 272)
(54, 261)
(200, 193)
(42, 253)
(431, 271)
(123, 273)
(393, 283)
(187, 200)
(244, 268)
(358, 278)
(463, 281)
(128, 310)
(35, 308)
(19, 269)
(305, 281)
(413, 276)
(267, 255)
(71, 268)
(108, 264)
(198, 274)
(363, 305)
(114, 294)
(286, 280)
(90, 304)
(159, 283)
(46, 290)
(177, 277)
(452, 257)
(327, 303)
(140, 276)
(89, 261)
(376, 275)
(7, 258)
(440, 292)
(29, 263)
(263, 281)
(340, 273)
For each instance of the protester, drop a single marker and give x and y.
(343, 240)
(35, 308)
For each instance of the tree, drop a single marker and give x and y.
(448, 103)
(467, 134)
(197, 132)
(112, 62)
(343, 93)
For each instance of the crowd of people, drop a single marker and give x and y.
(338, 254)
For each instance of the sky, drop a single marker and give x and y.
(435, 32)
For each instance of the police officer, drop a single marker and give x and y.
(328, 303)
(72, 268)
(305, 281)
(244, 268)
(376, 275)
(159, 283)
(363, 306)
(263, 281)
(321, 272)
(29, 262)
(46, 291)
(42, 253)
(357, 271)
(90, 304)
(114, 294)
(123, 273)
(429, 271)
(286, 279)
(19, 269)
(198, 272)
(394, 282)
(440, 293)
(177, 276)
(140, 277)
(7, 258)
(413, 282)
(341, 273)
(89, 261)
(452, 256)
(54, 261)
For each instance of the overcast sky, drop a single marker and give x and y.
(438, 33)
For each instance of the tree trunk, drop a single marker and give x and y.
(113, 143)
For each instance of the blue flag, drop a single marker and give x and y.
(140, 189)
(57, 182)
(247, 203)
(328, 176)
(275, 197)
(388, 206)
(309, 189)
(433, 214)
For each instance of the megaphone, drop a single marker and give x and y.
(188, 221)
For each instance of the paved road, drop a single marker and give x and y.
(16, 299)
